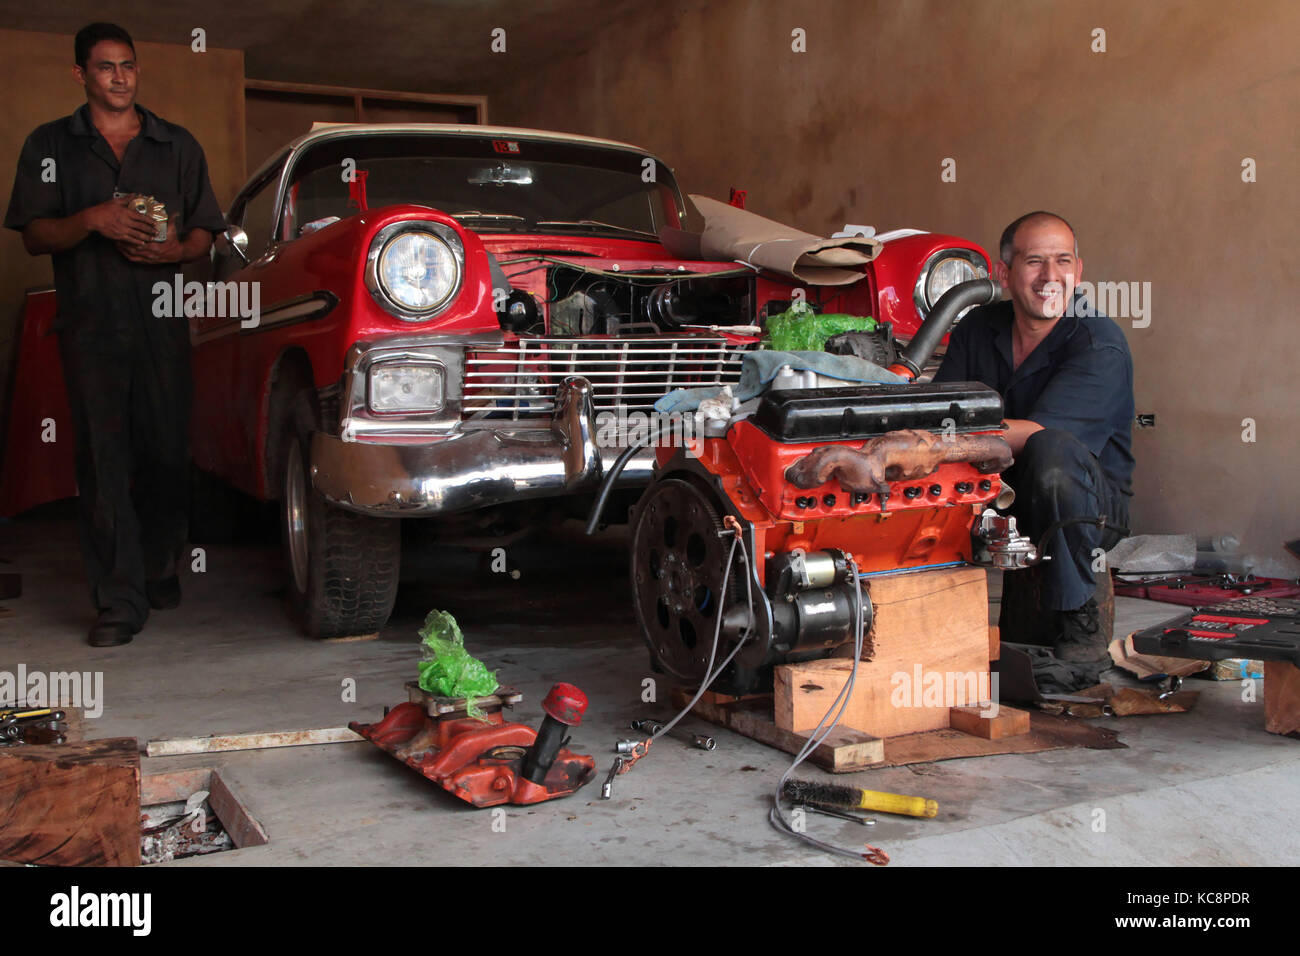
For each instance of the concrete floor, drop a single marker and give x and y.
(1207, 787)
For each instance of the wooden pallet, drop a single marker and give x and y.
(848, 751)
(844, 751)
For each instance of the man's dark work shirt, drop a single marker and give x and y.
(1079, 378)
(66, 166)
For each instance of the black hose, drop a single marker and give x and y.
(611, 476)
(941, 317)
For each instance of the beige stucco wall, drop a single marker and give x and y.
(1140, 147)
(204, 92)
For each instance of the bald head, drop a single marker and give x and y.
(1007, 245)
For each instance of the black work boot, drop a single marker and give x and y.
(1082, 638)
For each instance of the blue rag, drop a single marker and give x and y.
(759, 368)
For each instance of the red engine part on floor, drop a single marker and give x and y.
(487, 761)
(1199, 590)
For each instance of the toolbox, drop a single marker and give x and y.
(1258, 628)
(1198, 590)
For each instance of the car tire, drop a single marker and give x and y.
(341, 568)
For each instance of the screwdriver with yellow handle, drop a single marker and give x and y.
(10, 714)
(855, 798)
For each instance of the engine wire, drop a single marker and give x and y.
(710, 675)
(816, 738)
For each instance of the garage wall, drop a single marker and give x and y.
(204, 92)
(1140, 146)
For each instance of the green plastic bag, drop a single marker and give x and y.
(446, 668)
(802, 330)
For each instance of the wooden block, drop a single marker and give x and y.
(71, 804)
(995, 643)
(1009, 722)
(929, 652)
(1281, 697)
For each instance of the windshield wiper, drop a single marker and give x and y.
(597, 223)
(478, 214)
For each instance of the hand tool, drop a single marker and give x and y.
(826, 811)
(607, 788)
(855, 798)
(651, 726)
(9, 715)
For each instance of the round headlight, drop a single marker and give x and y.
(946, 274)
(942, 271)
(418, 271)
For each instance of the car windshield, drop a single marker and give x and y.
(491, 185)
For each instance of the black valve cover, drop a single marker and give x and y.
(864, 411)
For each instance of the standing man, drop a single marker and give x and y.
(1066, 380)
(127, 371)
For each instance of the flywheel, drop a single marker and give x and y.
(678, 563)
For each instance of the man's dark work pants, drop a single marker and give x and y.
(1055, 476)
(129, 390)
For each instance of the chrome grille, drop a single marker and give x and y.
(519, 380)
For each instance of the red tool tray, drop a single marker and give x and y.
(1198, 590)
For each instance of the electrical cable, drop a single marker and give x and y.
(710, 675)
(1101, 521)
(816, 738)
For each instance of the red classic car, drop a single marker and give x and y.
(426, 320)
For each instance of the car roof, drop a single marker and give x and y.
(324, 131)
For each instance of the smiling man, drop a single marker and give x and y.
(127, 372)
(1066, 380)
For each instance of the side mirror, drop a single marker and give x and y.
(236, 241)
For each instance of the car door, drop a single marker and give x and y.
(220, 437)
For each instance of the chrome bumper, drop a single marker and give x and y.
(470, 469)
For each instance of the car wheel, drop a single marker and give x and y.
(341, 567)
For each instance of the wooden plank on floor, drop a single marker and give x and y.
(71, 804)
(1281, 697)
(260, 741)
(244, 830)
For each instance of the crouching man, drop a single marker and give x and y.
(1066, 380)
